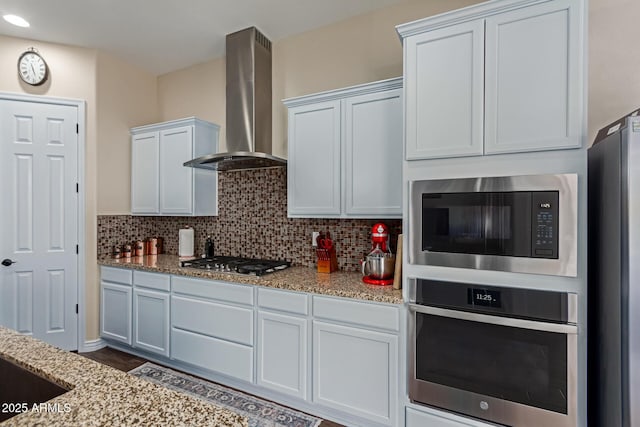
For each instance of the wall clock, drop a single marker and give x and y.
(32, 68)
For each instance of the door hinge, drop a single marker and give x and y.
(77, 249)
(76, 308)
(77, 187)
(77, 128)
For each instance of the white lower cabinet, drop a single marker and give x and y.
(115, 304)
(151, 321)
(282, 353)
(355, 368)
(212, 326)
(355, 371)
(337, 357)
(282, 349)
(115, 312)
(225, 357)
(151, 312)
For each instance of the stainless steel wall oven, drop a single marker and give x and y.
(505, 355)
(525, 224)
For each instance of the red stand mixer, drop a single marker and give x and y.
(378, 267)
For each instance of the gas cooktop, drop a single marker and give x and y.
(230, 264)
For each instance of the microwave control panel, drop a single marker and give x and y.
(544, 230)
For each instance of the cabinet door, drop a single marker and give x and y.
(444, 92)
(355, 371)
(151, 321)
(223, 321)
(115, 312)
(176, 181)
(144, 173)
(313, 170)
(373, 154)
(534, 78)
(282, 353)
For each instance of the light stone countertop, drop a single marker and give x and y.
(303, 279)
(101, 395)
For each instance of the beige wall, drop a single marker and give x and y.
(614, 62)
(126, 97)
(197, 91)
(358, 50)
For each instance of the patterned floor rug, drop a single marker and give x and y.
(259, 412)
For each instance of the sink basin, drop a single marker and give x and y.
(21, 388)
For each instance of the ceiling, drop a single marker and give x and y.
(165, 35)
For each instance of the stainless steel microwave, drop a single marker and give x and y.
(524, 224)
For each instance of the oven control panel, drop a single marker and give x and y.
(544, 230)
(494, 300)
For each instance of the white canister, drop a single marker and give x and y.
(185, 242)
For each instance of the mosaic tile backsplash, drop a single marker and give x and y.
(252, 222)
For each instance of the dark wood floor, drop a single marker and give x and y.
(126, 362)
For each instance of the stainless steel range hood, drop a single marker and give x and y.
(248, 106)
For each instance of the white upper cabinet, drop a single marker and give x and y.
(313, 167)
(373, 153)
(145, 176)
(444, 92)
(533, 86)
(175, 179)
(160, 184)
(504, 76)
(345, 152)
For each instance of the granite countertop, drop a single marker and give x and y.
(101, 395)
(303, 279)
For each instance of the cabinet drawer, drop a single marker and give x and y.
(157, 281)
(116, 275)
(417, 418)
(223, 291)
(291, 302)
(210, 318)
(227, 358)
(358, 313)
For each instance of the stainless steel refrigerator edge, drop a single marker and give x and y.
(614, 278)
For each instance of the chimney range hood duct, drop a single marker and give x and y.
(248, 106)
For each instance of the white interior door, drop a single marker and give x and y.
(39, 220)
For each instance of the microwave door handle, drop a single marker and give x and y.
(561, 328)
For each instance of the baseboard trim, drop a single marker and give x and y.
(92, 345)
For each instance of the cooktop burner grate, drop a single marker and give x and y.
(229, 264)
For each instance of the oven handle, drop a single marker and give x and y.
(561, 328)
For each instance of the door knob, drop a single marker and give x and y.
(7, 262)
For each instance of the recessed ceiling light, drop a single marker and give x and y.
(16, 20)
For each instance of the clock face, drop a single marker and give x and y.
(32, 68)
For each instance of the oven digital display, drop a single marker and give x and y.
(484, 297)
